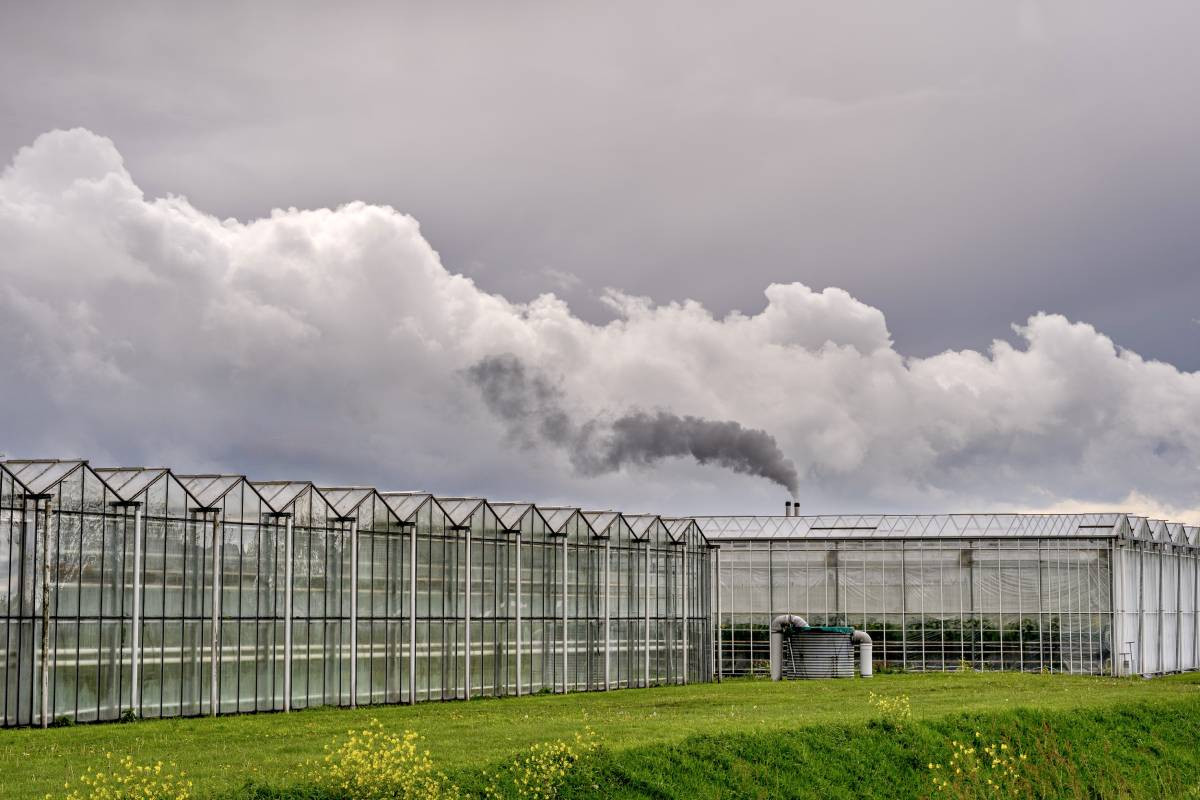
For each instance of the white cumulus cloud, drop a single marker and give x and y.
(334, 344)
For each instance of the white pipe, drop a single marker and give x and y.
(467, 616)
(354, 613)
(215, 641)
(865, 647)
(45, 665)
(683, 568)
(607, 619)
(646, 610)
(520, 644)
(412, 614)
(565, 613)
(777, 625)
(287, 617)
(718, 666)
(135, 688)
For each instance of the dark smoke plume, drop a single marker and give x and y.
(531, 406)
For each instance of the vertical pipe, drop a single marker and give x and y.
(1043, 616)
(135, 689)
(520, 598)
(646, 611)
(1161, 626)
(288, 572)
(1000, 600)
(607, 617)
(1114, 636)
(565, 617)
(467, 617)
(714, 663)
(684, 570)
(1020, 551)
(1141, 656)
(354, 613)
(412, 614)
(1177, 568)
(45, 660)
(719, 656)
(903, 605)
(215, 639)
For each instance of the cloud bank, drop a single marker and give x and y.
(334, 343)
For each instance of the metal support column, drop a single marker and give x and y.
(412, 614)
(135, 635)
(1178, 569)
(1161, 653)
(467, 632)
(683, 565)
(607, 617)
(215, 639)
(1113, 633)
(288, 572)
(353, 613)
(1141, 658)
(520, 598)
(45, 655)
(718, 656)
(646, 606)
(565, 616)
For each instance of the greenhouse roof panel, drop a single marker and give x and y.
(511, 514)
(677, 527)
(40, 476)
(460, 509)
(346, 500)
(129, 482)
(280, 494)
(912, 526)
(558, 517)
(209, 489)
(405, 504)
(600, 521)
(641, 524)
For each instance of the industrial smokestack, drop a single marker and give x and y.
(787, 508)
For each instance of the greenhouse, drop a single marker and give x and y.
(306, 596)
(1110, 594)
(121, 588)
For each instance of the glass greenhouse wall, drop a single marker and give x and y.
(120, 589)
(1092, 593)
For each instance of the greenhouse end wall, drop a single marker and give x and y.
(1109, 594)
(305, 597)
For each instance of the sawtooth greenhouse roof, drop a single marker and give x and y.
(950, 526)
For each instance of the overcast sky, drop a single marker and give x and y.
(956, 168)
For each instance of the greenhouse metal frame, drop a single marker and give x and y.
(1112, 594)
(305, 596)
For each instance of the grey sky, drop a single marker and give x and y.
(960, 165)
(955, 168)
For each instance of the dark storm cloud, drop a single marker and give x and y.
(532, 407)
(961, 164)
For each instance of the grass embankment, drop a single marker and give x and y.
(665, 742)
(1138, 751)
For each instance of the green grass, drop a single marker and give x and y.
(1125, 751)
(638, 728)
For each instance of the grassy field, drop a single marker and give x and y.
(636, 727)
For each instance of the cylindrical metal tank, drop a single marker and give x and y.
(818, 652)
